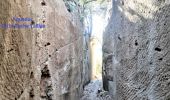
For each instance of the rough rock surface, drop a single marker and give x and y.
(94, 91)
(137, 50)
(41, 64)
(15, 51)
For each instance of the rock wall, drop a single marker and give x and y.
(41, 64)
(15, 51)
(136, 50)
(86, 62)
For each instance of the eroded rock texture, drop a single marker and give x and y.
(136, 50)
(41, 64)
(15, 52)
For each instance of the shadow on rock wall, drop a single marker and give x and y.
(136, 51)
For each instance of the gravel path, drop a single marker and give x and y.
(93, 91)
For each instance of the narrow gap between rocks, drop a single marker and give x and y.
(62, 49)
(95, 22)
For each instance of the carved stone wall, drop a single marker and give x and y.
(41, 64)
(136, 50)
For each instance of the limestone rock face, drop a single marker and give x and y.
(15, 51)
(41, 64)
(136, 50)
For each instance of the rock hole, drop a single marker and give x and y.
(151, 63)
(136, 43)
(68, 9)
(46, 89)
(119, 38)
(10, 50)
(98, 91)
(47, 44)
(147, 42)
(49, 55)
(45, 72)
(43, 21)
(160, 59)
(43, 3)
(158, 49)
(32, 22)
(31, 93)
(27, 54)
(43, 97)
(32, 75)
(139, 88)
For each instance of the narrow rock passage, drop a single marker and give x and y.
(93, 91)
